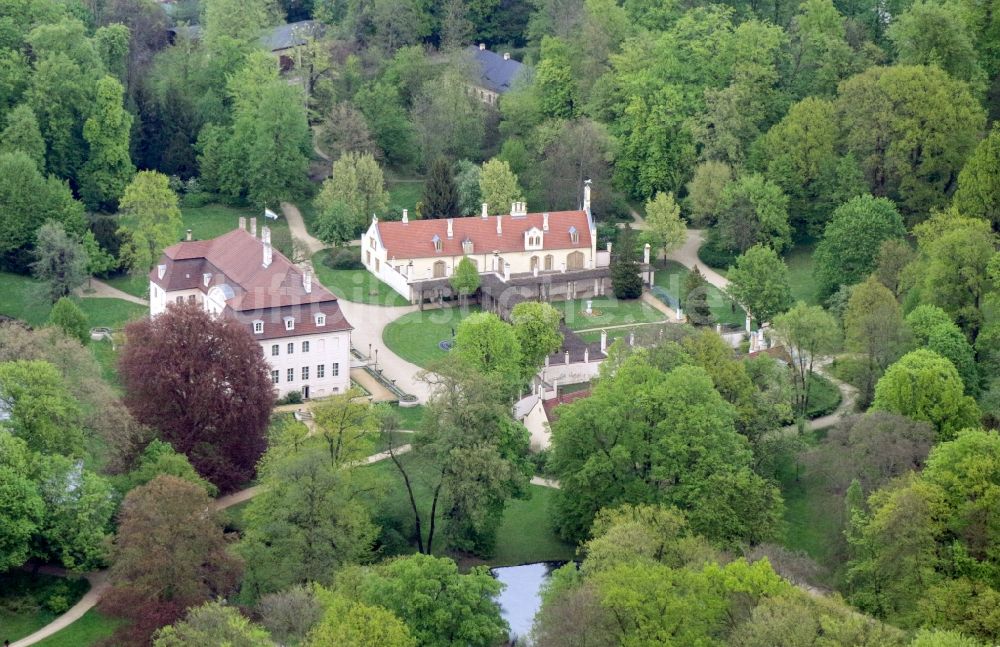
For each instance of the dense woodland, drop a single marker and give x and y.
(860, 130)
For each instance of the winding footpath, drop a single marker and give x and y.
(98, 289)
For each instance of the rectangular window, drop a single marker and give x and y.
(291, 347)
(258, 327)
(275, 376)
(180, 299)
(320, 371)
(335, 369)
(305, 372)
(305, 347)
(190, 298)
(275, 350)
(290, 375)
(368, 258)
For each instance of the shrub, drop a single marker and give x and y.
(343, 258)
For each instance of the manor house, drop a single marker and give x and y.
(297, 322)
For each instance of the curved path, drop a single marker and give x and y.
(687, 255)
(99, 583)
(299, 232)
(100, 289)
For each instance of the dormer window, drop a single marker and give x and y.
(161, 270)
(207, 278)
(437, 243)
(258, 327)
(574, 235)
(289, 323)
(320, 319)
(467, 246)
(533, 238)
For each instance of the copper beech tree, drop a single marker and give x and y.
(203, 384)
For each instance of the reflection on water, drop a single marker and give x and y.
(521, 599)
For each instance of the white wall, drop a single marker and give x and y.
(324, 349)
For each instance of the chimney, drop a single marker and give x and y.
(499, 224)
(451, 231)
(265, 234)
(267, 255)
(514, 208)
(482, 47)
(586, 195)
(253, 226)
(645, 254)
(188, 236)
(486, 210)
(243, 222)
(545, 221)
(406, 216)
(506, 271)
(307, 282)
(506, 56)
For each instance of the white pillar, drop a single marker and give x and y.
(566, 357)
(586, 354)
(645, 253)
(546, 361)
(748, 323)
(590, 307)
(604, 341)
(680, 313)
(718, 328)
(506, 271)
(631, 338)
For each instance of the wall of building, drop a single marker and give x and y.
(326, 350)
(159, 299)
(538, 426)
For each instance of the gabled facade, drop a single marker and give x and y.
(297, 322)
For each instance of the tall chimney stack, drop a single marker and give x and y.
(253, 226)
(486, 210)
(265, 238)
(307, 282)
(545, 221)
(586, 195)
(499, 225)
(267, 255)
(188, 236)
(451, 229)
(406, 216)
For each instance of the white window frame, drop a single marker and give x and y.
(275, 350)
(320, 371)
(290, 375)
(289, 323)
(291, 347)
(258, 327)
(320, 319)
(335, 369)
(305, 373)
(305, 347)
(275, 376)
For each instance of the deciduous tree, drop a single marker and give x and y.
(21, 133)
(67, 317)
(108, 168)
(151, 222)
(491, 346)
(204, 385)
(362, 625)
(810, 333)
(60, 261)
(754, 211)
(465, 280)
(213, 623)
(874, 327)
(759, 283)
(42, 411)
(666, 229)
(498, 186)
(21, 505)
(357, 182)
(978, 193)
(536, 326)
(705, 190)
(449, 120)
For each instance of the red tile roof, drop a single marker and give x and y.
(415, 239)
(566, 398)
(269, 294)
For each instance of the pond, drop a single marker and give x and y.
(521, 596)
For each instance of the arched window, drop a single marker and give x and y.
(439, 269)
(548, 262)
(534, 263)
(574, 261)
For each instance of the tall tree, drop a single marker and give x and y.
(67, 317)
(498, 186)
(911, 128)
(60, 261)
(21, 133)
(277, 161)
(346, 622)
(759, 283)
(754, 211)
(21, 505)
(491, 346)
(810, 334)
(626, 281)
(357, 182)
(929, 33)
(108, 168)
(152, 220)
(465, 279)
(852, 239)
(449, 120)
(874, 328)
(922, 385)
(440, 193)
(705, 191)
(42, 412)
(556, 80)
(978, 193)
(345, 130)
(536, 326)
(666, 228)
(172, 368)
(170, 553)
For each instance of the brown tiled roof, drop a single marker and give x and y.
(566, 398)
(415, 239)
(236, 259)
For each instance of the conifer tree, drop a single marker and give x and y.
(440, 192)
(625, 279)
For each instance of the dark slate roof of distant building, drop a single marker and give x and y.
(495, 72)
(275, 39)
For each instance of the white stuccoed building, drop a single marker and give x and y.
(297, 322)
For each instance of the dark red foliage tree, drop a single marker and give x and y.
(204, 385)
(170, 553)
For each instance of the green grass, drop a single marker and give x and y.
(608, 311)
(23, 598)
(670, 275)
(404, 195)
(824, 397)
(24, 298)
(409, 417)
(88, 630)
(415, 336)
(108, 360)
(800, 273)
(525, 534)
(216, 219)
(355, 285)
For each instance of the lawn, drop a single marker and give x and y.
(608, 311)
(415, 336)
(670, 275)
(359, 285)
(88, 630)
(409, 417)
(135, 284)
(824, 397)
(524, 536)
(404, 194)
(800, 273)
(29, 602)
(24, 298)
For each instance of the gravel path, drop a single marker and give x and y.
(687, 256)
(100, 289)
(298, 228)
